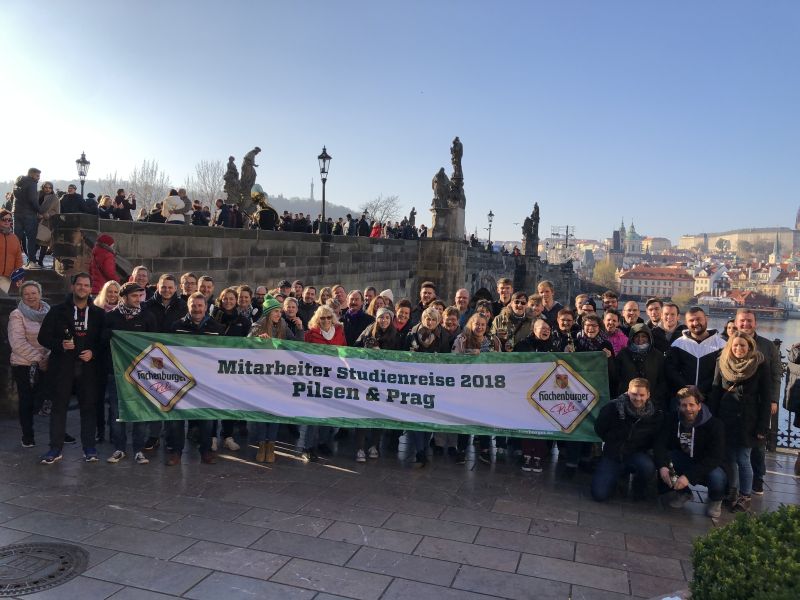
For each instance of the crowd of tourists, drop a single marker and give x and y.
(690, 405)
(32, 204)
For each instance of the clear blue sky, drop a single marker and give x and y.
(682, 116)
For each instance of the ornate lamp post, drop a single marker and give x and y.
(324, 161)
(83, 168)
(490, 216)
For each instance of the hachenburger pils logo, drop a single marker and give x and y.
(563, 396)
(160, 377)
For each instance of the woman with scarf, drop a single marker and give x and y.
(475, 340)
(245, 303)
(323, 328)
(612, 332)
(628, 427)
(430, 337)
(28, 356)
(380, 335)
(105, 208)
(640, 358)
(225, 311)
(534, 451)
(588, 339)
(49, 205)
(740, 397)
(270, 326)
(108, 297)
(450, 321)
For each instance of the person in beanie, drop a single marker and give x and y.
(103, 266)
(73, 332)
(127, 316)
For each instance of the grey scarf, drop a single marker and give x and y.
(37, 316)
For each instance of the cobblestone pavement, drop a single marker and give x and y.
(338, 529)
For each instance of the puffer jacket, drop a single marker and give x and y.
(103, 266)
(26, 197)
(23, 336)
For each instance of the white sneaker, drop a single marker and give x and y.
(372, 452)
(214, 444)
(231, 444)
(141, 459)
(360, 456)
(116, 457)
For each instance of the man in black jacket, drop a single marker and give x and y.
(690, 450)
(123, 205)
(196, 322)
(26, 211)
(308, 306)
(427, 294)
(355, 320)
(73, 332)
(692, 358)
(127, 316)
(628, 427)
(72, 202)
(166, 306)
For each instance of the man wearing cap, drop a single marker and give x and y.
(90, 204)
(72, 202)
(73, 332)
(127, 316)
(285, 288)
(10, 247)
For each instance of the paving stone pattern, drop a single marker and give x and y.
(337, 529)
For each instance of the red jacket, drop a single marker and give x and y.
(376, 231)
(314, 336)
(103, 266)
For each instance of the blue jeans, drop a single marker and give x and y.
(26, 228)
(119, 434)
(609, 470)
(741, 470)
(264, 432)
(716, 482)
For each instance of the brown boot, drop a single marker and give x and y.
(270, 452)
(173, 459)
(207, 458)
(261, 455)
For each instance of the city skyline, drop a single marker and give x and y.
(681, 121)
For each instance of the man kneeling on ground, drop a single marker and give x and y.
(628, 427)
(693, 444)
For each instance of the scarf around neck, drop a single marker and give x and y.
(736, 370)
(37, 316)
(626, 408)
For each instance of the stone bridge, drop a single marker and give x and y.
(234, 256)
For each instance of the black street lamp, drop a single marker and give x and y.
(324, 161)
(491, 218)
(83, 169)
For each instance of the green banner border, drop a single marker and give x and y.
(126, 346)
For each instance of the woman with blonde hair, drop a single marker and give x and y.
(28, 356)
(740, 397)
(323, 328)
(108, 296)
(474, 338)
(376, 304)
(324, 295)
(105, 208)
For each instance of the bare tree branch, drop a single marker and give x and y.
(382, 209)
(149, 183)
(206, 184)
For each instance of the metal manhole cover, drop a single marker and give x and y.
(30, 568)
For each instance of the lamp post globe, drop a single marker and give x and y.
(324, 162)
(83, 169)
(490, 216)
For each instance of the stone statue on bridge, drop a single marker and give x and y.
(449, 200)
(238, 189)
(412, 217)
(530, 233)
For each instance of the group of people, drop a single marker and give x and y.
(691, 406)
